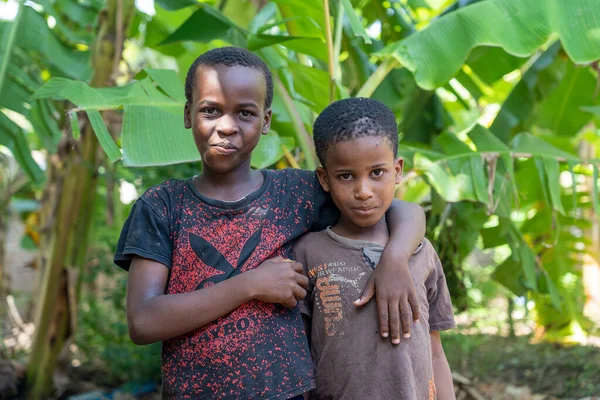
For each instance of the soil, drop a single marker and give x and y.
(548, 370)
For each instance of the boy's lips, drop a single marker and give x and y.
(224, 148)
(364, 210)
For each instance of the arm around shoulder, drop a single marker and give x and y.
(406, 222)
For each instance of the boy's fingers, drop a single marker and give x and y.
(405, 315)
(382, 307)
(290, 302)
(302, 281)
(414, 305)
(298, 267)
(299, 293)
(394, 321)
(367, 292)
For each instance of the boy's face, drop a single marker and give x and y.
(361, 175)
(227, 115)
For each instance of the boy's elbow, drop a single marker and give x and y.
(137, 331)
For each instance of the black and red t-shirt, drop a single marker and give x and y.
(259, 350)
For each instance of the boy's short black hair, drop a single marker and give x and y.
(230, 57)
(352, 118)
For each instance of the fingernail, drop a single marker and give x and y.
(356, 301)
(384, 334)
(407, 335)
(396, 341)
(416, 320)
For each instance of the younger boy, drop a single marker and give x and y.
(357, 141)
(205, 255)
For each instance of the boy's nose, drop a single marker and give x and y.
(363, 191)
(226, 125)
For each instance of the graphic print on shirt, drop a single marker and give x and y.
(214, 259)
(334, 281)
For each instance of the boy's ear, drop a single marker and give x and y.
(267, 121)
(399, 167)
(322, 175)
(187, 116)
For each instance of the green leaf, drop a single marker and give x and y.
(452, 145)
(491, 63)
(205, 25)
(508, 274)
(539, 164)
(27, 243)
(106, 141)
(172, 5)
(520, 27)
(573, 183)
(169, 82)
(479, 179)
(74, 125)
(270, 149)
(156, 136)
(529, 144)
(35, 36)
(553, 175)
(311, 83)
(528, 264)
(355, 23)
(13, 137)
(523, 98)
(555, 297)
(563, 111)
(306, 45)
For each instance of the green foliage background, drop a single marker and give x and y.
(497, 102)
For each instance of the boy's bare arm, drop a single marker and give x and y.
(154, 316)
(391, 282)
(441, 369)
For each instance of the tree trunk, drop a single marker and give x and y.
(67, 206)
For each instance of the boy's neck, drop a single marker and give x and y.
(377, 233)
(230, 186)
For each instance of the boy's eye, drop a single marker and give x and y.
(246, 113)
(346, 177)
(209, 110)
(377, 173)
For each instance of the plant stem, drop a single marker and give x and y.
(337, 42)
(290, 158)
(330, 55)
(377, 77)
(304, 138)
(10, 43)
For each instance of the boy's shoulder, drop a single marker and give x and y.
(310, 240)
(292, 175)
(161, 197)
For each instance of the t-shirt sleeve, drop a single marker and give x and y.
(325, 212)
(441, 316)
(146, 233)
(300, 256)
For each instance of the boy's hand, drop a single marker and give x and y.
(393, 287)
(278, 280)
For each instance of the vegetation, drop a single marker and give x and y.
(498, 108)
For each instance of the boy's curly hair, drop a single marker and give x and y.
(230, 57)
(352, 118)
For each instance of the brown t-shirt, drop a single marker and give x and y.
(351, 360)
